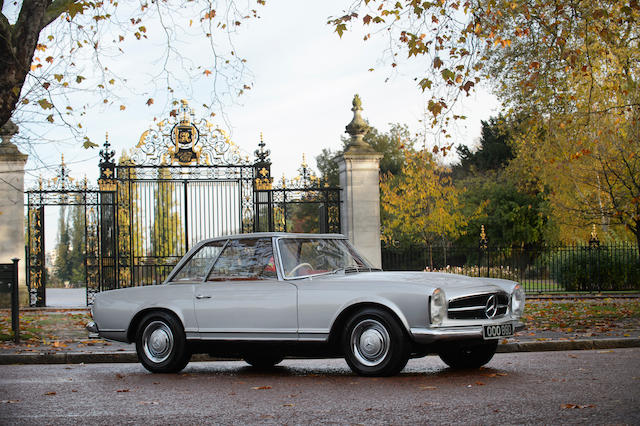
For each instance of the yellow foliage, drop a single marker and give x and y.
(421, 204)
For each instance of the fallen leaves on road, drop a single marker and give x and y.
(9, 401)
(575, 406)
(50, 393)
(122, 390)
(495, 374)
(261, 387)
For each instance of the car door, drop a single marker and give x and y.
(242, 298)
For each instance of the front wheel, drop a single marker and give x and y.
(374, 343)
(468, 355)
(161, 344)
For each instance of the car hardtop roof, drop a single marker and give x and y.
(270, 235)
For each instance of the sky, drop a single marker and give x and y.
(304, 78)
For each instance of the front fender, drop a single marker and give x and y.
(370, 301)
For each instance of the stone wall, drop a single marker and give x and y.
(12, 163)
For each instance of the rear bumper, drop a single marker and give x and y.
(92, 328)
(435, 334)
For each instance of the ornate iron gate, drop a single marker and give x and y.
(183, 182)
(62, 190)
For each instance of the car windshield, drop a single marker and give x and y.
(311, 256)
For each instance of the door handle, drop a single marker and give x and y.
(203, 296)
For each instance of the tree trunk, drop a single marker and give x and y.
(17, 44)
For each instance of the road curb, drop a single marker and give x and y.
(569, 345)
(131, 356)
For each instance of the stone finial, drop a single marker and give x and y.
(8, 130)
(8, 150)
(357, 128)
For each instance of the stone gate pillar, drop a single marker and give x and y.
(359, 180)
(12, 163)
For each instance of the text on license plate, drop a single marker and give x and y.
(497, 331)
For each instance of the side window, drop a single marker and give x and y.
(245, 259)
(197, 267)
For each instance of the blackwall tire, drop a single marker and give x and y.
(161, 343)
(468, 355)
(374, 343)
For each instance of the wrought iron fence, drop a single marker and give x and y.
(547, 269)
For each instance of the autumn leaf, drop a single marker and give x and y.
(149, 101)
(88, 143)
(50, 393)
(122, 390)
(207, 72)
(75, 8)
(45, 104)
(261, 387)
(50, 120)
(79, 79)
(340, 29)
(575, 406)
(122, 107)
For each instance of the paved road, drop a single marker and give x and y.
(66, 297)
(554, 387)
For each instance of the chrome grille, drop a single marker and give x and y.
(481, 306)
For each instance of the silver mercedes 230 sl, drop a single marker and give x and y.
(265, 296)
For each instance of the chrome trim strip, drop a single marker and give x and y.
(255, 336)
(313, 337)
(467, 308)
(481, 293)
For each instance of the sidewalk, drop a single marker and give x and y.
(66, 340)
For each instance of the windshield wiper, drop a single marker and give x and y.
(351, 269)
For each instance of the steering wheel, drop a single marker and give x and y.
(298, 266)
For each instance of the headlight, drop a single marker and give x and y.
(517, 301)
(438, 307)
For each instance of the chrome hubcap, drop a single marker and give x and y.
(157, 340)
(370, 342)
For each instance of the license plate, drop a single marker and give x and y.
(497, 331)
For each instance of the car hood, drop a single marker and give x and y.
(454, 285)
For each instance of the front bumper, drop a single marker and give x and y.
(437, 334)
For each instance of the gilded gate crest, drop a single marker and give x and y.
(181, 140)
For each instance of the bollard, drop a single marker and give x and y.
(15, 305)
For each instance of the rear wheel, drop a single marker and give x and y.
(374, 344)
(468, 355)
(264, 361)
(161, 344)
